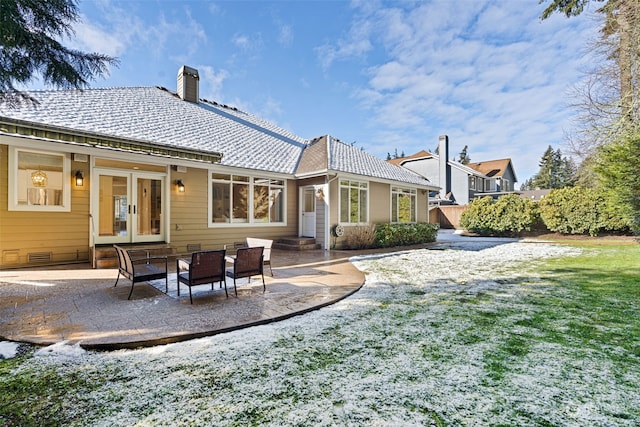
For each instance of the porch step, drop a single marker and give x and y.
(296, 244)
(106, 256)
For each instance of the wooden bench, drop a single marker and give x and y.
(138, 266)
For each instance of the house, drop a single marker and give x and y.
(459, 184)
(82, 169)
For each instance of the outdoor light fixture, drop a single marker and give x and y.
(180, 186)
(39, 178)
(79, 179)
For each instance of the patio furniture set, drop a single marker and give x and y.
(203, 267)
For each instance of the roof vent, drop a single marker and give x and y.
(188, 84)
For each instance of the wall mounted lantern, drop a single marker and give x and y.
(180, 186)
(79, 179)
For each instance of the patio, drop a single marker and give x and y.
(76, 303)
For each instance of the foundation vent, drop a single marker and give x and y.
(11, 257)
(38, 257)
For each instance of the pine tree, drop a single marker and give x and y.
(555, 171)
(29, 47)
(464, 157)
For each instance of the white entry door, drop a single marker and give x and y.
(308, 219)
(128, 207)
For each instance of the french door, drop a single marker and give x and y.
(128, 207)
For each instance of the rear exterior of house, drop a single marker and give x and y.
(84, 169)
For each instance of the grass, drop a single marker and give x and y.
(542, 344)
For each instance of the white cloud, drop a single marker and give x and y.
(285, 35)
(355, 44)
(493, 75)
(90, 37)
(247, 42)
(211, 82)
(122, 31)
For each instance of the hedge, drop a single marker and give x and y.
(390, 235)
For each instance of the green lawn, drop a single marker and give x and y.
(501, 341)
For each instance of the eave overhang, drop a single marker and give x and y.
(13, 127)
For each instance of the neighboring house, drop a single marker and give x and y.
(85, 168)
(459, 184)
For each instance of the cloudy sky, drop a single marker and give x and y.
(384, 75)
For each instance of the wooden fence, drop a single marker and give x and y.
(447, 216)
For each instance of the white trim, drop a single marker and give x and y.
(368, 207)
(250, 184)
(413, 192)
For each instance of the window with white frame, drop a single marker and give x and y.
(241, 199)
(39, 181)
(354, 204)
(403, 204)
(472, 182)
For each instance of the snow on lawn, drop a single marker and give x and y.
(433, 337)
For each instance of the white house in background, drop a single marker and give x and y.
(459, 184)
(81, 169)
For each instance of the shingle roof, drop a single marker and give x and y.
(491, 168)
(156, 115)
(398, 161)
(346, 158)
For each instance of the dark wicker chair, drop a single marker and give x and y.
(247, 262)
(203, 267)
(138, 266)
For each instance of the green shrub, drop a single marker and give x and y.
(507, 216)
(579, 210)
(390, 235)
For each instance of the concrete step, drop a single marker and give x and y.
(106, 256)
(106, 263)
(296, 244)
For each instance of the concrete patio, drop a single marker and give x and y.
(76, 303)
(79, 304)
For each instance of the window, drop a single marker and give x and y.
(231, 200)
(505, 185)
(403, 204)
(472, 183)
(354, 202)
(39, 181)
(268, 198)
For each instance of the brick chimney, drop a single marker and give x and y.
(444, 170)
(188, 79)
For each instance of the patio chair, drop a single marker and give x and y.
(246, 263)
(266, 244)
(203, 267)
(138, 266)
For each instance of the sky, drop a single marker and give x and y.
(386, 76)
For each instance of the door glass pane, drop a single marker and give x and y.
(309, 202)
(149, 206)
(113, 206)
